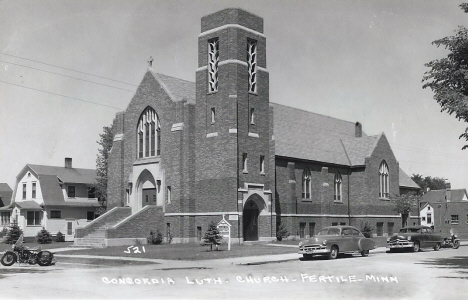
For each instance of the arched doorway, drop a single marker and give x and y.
(146, 191)
(250, 221)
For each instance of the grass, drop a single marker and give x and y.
(4, 247)
(186, 251)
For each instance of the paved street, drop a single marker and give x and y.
(424, 275)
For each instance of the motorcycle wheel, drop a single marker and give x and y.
(8, 259)
(44, 258)
(456, 244)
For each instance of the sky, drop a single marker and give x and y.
(66, 68)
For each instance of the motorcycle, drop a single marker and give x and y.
(452, 241)
(25, 255)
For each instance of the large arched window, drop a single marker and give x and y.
(383, 180)
(306, 184)
(338, 187)
(148, 132)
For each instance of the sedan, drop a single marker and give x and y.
(414, 238)
(333, 240)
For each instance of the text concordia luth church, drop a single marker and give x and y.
(187, 153)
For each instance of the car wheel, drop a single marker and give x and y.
(365, 253)
(333, 252)
(393, 250)
(416, 246)
(437, 247)
(307, 256)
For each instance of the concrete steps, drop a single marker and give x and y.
(89, 242)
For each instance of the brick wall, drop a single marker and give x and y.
(443, 218)
(110, 218)
(139, 224)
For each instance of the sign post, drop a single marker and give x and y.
(224, 229)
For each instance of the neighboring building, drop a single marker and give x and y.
(5, 199)
(449, 210)
(186, 153)
(54, 198)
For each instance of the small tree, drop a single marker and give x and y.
(366, 229)
(13, 234)
(60, 237)
(106, 141)
(281, 232)
(155, 238)
(43, 237)
(404, 203)
(212, 237)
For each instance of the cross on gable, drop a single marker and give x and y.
(150, 62)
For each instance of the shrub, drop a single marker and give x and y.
(212, 237)
(43, 237)
(366, 229)
(60, 237)
(281, 233)
(155, 238)
(13, 234)
(4, 232)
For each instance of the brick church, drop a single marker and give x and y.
(187, 153)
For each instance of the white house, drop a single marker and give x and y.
(427, 215)
(54, 198)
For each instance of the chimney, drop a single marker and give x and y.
(68, 162)
(448, 192)
(358, 130)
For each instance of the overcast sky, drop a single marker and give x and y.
(354, 60)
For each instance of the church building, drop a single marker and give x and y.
(188, 153)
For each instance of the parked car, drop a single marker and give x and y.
(333, 240)
(414, 238)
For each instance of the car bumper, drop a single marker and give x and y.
(313, 250)
(400, 245)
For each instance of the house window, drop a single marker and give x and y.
(252, 116)
(55, 214)
(91, 192)
(146, 198)
(71, 191)
(306, 184)
(213, 60)
(262, 164)
(423, 219)
(33, 218)
(169, 192)
(24, 190)
(338, 187)
(5, 218)
(244, 163)
(334, 223)
(34, 190)
(311, 229)
(252, 64)
(379, 229)
(148, 134)
(429, 218)
(454, 219)
(213, 115)
(302, 230)
(383, 180)
(342, 223)
(390, 226)
(90, 215)
(199, 233)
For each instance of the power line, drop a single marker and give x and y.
(55, 94)
(7, 62)
(36, 61)
(420, 150)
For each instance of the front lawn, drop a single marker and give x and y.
(186, 251)
(54, 245)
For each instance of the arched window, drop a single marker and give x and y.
(148, 132)
(306, 184)
(338, 187)
(383, 180)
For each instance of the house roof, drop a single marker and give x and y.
(68, 175)
(5, 194)
(53, 195)
(439, 195)
(177, 89)
(31, 205)
(406, 181)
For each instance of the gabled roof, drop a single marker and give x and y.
(30, 204)
(177, 89)
(5, 194)
(68, 175)
(440, 195)
(51, 190)
(359, 148)
(406, 181)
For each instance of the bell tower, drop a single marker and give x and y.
(234, 159)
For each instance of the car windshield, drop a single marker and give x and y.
(329, 231)
(408, 230)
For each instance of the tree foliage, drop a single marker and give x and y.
(43, 237)
(13, 234)
(433, 183)
(105, 143)
(448, 76)
(404, 204)
(212, 236)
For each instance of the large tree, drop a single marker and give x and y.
(404, 204)
(448, 76)
(433, 183)
(105, 143)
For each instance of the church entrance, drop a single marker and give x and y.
(250, 221)
(149, 197)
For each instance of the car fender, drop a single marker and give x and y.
(366, 244)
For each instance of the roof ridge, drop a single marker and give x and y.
(346, 152)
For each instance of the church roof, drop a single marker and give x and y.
(177, 89)
(406, 181)
(5, 194)
(68, 175)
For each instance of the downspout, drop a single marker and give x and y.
(349, 206)
(237, 159)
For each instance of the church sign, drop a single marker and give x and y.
(224, 229)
